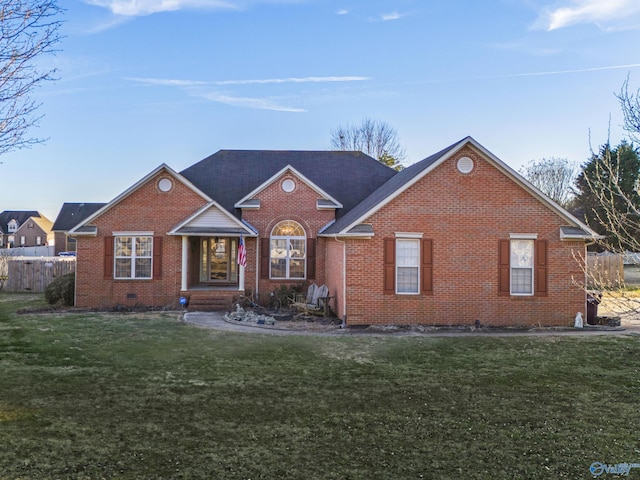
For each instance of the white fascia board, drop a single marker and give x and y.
(268, 182)
(405, 186)
(215, 204)
(91, 233)
(569, 236)
(137, 185)
(524, 183)
(500, 165)
(355, 236)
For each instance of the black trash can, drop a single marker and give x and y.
(593, 300)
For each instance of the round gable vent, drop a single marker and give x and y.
(165, 185)
(288, 185)
(465, 165)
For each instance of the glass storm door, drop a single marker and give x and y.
(218, 260)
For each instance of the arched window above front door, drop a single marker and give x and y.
(287, 251)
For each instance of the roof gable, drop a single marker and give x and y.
(349, 224)
(43, 224)
(19, 216)
(329, 201)
(212, 220)
(83, 227)
(231, 175)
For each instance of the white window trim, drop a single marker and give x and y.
(523, 236)
(409, 237)
(288, 254)
(133, 236)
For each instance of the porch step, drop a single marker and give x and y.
(210, 303)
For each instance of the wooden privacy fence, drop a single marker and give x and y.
(605, 270)
(28, 274)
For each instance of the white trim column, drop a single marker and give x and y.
(241, 278)
(185, 262)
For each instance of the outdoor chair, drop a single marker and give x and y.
(315, 302)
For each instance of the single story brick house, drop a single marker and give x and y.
(452, 239)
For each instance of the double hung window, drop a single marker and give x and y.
(521, 261)
(407, 265)
(133, 256)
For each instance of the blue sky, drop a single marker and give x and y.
(145, 82)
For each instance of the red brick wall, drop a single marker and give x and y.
(145, 209)
(277, 205)
(334, 274)
(465, 216)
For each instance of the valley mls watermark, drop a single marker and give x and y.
(598, 468)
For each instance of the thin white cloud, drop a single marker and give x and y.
(258, 103)
(560, 72)
(197, 88)
(532, 74)
(166, 82)
(342, 11)
(292, 80)
(135, 8)
(262, 81)
(385, 17)
(607, 14)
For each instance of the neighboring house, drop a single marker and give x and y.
(70, 215)
(11, 233)
(452, 239)
(34, 232)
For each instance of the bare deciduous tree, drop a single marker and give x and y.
(615, 211)
(28, 30)
(373, 137)
(630, 105)
(552, 176)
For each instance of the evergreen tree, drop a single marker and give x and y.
(607, 195)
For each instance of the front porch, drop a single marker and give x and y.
(211, 275)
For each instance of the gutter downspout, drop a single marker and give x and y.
(344, 281)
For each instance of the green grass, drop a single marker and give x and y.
(146, 396)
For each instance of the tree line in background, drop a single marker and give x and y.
(603, 191)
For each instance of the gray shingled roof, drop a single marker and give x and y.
(229, 175)
(19, 216)
(387, 189)
(71, 214)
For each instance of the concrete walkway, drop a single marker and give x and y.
(216, 320)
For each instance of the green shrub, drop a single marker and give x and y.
(61, 290)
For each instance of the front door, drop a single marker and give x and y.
(218, 260)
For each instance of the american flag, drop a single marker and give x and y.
(242, 253)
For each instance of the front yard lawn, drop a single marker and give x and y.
(134, 396)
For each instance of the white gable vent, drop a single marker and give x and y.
(165, 185)
(288, 185)
(465, 165)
